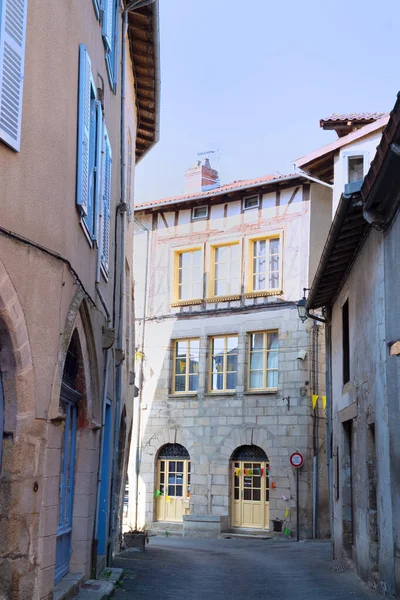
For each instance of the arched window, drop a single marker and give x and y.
(173, 483)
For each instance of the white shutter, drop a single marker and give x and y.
(83, 129)
(12, 55)
(108, 23)
(105, 255)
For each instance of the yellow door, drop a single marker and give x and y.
(250, 497)
(172, 502)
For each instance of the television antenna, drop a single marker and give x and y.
(215, 153)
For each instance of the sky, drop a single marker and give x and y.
(253, 78)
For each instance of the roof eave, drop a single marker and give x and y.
(201, 196)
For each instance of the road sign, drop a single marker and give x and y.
(296, 460)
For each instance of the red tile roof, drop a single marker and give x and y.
(354, 117)
(241, 184)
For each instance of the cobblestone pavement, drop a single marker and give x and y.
(236, 569)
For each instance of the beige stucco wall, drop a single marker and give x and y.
(44, 299)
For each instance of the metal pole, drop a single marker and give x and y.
(297, 505)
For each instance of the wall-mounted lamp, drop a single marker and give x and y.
(301, 306)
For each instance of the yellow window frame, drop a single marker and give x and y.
(265, 359)
(251, 292)
(212, 296)
(225, 371)
(176, 301)
(187, 374)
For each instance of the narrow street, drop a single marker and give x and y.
(239, 569)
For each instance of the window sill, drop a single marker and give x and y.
(270, 392)
(86, 232)
(186, 302)
(220, 393)
(223, 298)
(183, 395)
(277, 292)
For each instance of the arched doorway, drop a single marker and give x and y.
(250, 488)
(173, 483)
(69, 399)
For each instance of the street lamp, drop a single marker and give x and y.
(301, 306)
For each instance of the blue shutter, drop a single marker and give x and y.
(108, 23)
(105, 250)
(97, 7)
(82, 179)
(98, 168)
(12, 56)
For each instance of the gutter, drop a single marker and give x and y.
(201, 196)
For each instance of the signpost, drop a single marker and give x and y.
(297, 461)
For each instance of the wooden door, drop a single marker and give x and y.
(172, 501)
(250, 494)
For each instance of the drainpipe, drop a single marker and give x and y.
(328, 375)
(138, 400)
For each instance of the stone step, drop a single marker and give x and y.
(164, 528)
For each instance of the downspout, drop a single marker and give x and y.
(138, 400)
(328, 375)
(121, 210)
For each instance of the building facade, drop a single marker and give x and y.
(357, 283)
(68, 137)
(226, 370)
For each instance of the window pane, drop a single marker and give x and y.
(247, 494)
(180, 382)
(232, 343)
(256, 379)
(257, 341)
(218, 345)
(181, 348)
(256, 361)
(231, 362)
(272, 341)
(272, 379)
(274, 246)
(217, 382)
(222, 254)
(236, 493)
(256, 495)
(259, 248)
(196, 291)
(235, 285)
(180, 366)
(231, 381)
(274, 280)
(272, 360)
(235, 252)
(256, 482)
(171, 478)
(179, 491)
(171, 466)
(171, 490)
(162, 477)
(356, 168)
(218, 364)
(221, 287)
(179, 467)
(193, 383)
(185, 260)
(162, 466)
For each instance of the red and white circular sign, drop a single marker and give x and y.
(296, 460)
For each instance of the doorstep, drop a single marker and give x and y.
(102, 588)
(253, 534)
(68, 586)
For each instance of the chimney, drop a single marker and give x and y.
(201, 177)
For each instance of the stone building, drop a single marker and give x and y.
(66, 240)
(357, 283)
(226, 369)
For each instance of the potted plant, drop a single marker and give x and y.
(136, 538)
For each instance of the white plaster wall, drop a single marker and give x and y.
(368, 145)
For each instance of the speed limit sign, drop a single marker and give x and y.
(296, 460)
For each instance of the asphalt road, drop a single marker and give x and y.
(236, 569)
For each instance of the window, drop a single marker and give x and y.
(186, 366)
(265, 265)
(346, 342)
(110, 38)
(199, 212)
(225, 269)
(263, 360)
(106, 171)
(355, 168)
(188, 275)
(90, 125)
(251, 202)
(97, 6)
(224, 355)
(12, 58)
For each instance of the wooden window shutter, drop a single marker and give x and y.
(108, 20)
(12, 56)
(105, 253)
(84, 96)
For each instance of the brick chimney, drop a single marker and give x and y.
(201, 177)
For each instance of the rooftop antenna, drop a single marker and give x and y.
(216, 153)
